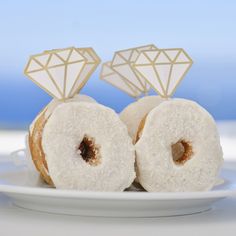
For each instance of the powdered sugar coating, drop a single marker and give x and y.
(165, 125)
(136, 111)
(77, 98)
(62, 135)
(55, 102)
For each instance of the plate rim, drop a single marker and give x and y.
(57, 193)
(128, 195)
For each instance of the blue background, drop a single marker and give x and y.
(205, 29)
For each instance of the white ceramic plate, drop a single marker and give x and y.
(26, 190)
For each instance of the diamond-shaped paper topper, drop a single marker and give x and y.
(62, 72)
(163, 68)
(109, 75)
(122, 63)
(92, 62)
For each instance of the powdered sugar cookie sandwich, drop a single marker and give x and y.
(179, 149)
(90, 149)
(76, 143)
(178, 146)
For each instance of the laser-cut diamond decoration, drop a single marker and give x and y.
(92, 62)
(122, 63)
(109, 75)
(163, 68)
(62, 72)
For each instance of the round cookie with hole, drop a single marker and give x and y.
(178, 148)
(83, 146)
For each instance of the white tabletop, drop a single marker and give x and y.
(221, 220)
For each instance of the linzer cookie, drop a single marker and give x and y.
(76, 143)
(176, 140)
